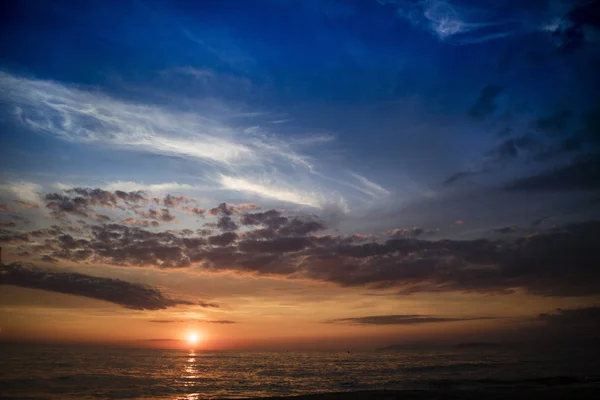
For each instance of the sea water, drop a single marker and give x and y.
(62, 372)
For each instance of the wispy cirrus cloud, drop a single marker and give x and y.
(231, 155)
(76, 115)
(270, 191)
(456, 21)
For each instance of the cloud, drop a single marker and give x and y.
(507, 229)
(80, 201)
(139, 222)
(270, 191)
(152, 188)
(455, 22)
(224, 239)
(163, 214)
(10, 237)
(485, 104)
(229, 209)
(371, 188)
(231, 155)
(226, 224)
(507, 151)
(574, 317)
(556, 123)
(128, 295)
(538, 221)
(582, 174)
(271, 243)
(85, 117)
(398, 320)
(571, 31)
(206, 321)
(26, 192)
(26, 204)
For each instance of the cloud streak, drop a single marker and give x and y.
(411, 319)
(126, 294)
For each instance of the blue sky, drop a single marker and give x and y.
(362, 107)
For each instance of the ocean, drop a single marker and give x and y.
(60, 372)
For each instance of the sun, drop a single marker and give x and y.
(192, 338)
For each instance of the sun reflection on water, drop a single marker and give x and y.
(190, 368)
(190, 374)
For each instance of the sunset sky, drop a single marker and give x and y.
(299, 174)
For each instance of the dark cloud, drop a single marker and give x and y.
(461, 175)
(507, 229)
(229, 209)
(173, 201)
(582, 174)
(226, 224)
(398, 320)
(538, 222)
(126, 294)
(8, 237)
(100, 217)
(498, 157)
(163, 214)
(276, 224)
(556, 123)
(276, 245)
(413, 232)
(571, 35)
(193, 210)
(47, 258)
(7, 224)
(557, 262)
(139, 222)
(224, 239)
(485, 104)
(554, 262)
(79, 201)
(576, 317)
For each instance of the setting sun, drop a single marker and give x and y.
(193, 338)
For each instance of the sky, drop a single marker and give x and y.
(299, 174)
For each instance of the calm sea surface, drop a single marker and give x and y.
(47, 372)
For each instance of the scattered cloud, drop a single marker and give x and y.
(271, 243)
